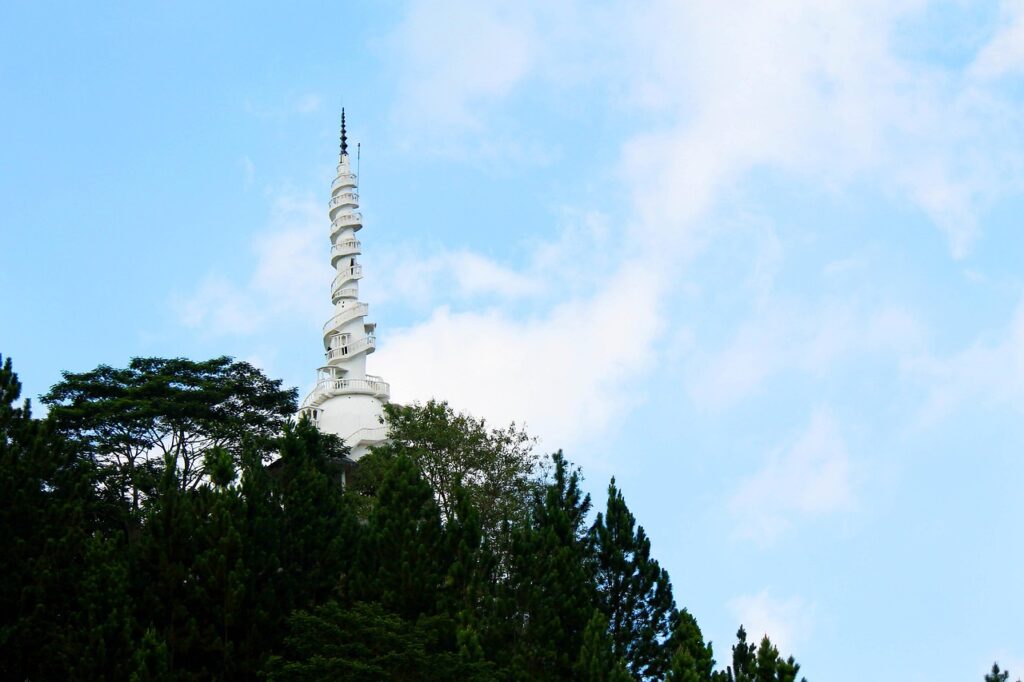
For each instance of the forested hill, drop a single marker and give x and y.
(146, 538)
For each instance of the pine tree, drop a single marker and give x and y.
(597, 661)
(997, 675)
(549, 600)
(757, 664)
(57, 614)
(365, 642)
(767, 661)
(150, 660)
(744, 661)
(400, 560)
(317, 528)
(465, 590)
(634, 592)
(260, 526)
(164, 577)
(692, 660)
(101, 624)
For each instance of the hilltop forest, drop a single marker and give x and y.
(169, 521)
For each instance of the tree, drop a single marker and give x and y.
(318, 531)
(131, 419)
(744, 661)
(597, 661)
(400, 562)
(633, 591)
(758, 664)
(467, 589)
(497, 467)
(64, 611)
(548, 598)
(998, 675)
(365, 642)
(692, 660)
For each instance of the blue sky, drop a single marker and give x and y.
(761, 261)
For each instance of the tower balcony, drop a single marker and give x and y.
(349, 313)
(343, 180)
(345, 292)
(349, 273)
(366, 344)
(346, 247)
(353, 219)
(328, 388)
(343, 199)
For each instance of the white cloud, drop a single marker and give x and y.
(810, 88)
(570, 373)
(457, 57)
(817, 89)
(787, 336)
(989, 372)
(578, 262)
(289, 282)
(809, 477)
(787, 622)
(1004, 53)
(419, 279)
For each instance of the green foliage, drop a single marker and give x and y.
(150, 661)
(633, 591)
(597, 661)
(692, 660)
(318, 531)
(365, 642)
(400, 559)
(64, 612)
(133, 418)
(758, 664)
(496, 467)
(147, 539)
(550, 595)
(998, 675)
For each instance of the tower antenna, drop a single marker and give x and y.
(359, 156)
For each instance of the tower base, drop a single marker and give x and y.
(356, 419)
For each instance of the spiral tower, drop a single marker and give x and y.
(346, 400)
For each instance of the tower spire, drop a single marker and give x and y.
(347, 401)
(344, 137)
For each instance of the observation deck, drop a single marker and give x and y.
(328, 388)
(366, 344)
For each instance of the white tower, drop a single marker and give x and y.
(346, 400)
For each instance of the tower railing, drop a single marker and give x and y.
(347, 219)
(367, 342)
(344, 198)
(347, 292)
(345, 247)
(343, 180)
(349, 272)
(327, 388)
(349, 313)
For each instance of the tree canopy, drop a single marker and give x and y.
(147, 538)
(135, 417)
